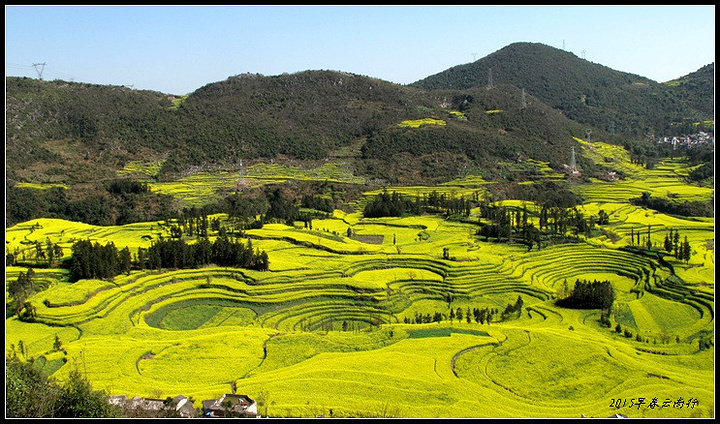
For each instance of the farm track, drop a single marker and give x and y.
(493, 352)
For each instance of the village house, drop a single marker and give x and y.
(153, 407)
(230, 405)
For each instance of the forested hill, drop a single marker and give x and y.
(697, 89)
(70, 132)
(587, 92)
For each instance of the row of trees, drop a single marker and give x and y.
(93, 260)
(45, 253)
(479, 315)
(224, 251)
(386, 204)
(680, 249)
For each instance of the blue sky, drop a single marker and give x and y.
(178, 49)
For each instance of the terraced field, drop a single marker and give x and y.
(326, 330)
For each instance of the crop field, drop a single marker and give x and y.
(331, 328)
(205, 187)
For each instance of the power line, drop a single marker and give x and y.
(41, 69)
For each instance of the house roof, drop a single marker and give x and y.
(238, 403)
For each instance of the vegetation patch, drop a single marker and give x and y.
(444, 332)
(415, 123)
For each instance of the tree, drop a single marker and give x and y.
(125, 261)
(50, 251)
(27, 313)
(667, 243)
(28, 392)
(603, 217)
(57, 345)
(459, 314)
(686, 251)
(446, 253)
(20, 289)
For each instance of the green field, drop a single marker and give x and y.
(326, 330)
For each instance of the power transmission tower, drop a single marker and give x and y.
(240, 184)
(474, 56)
(612, 128)
(582, 53)
(40, 72)
(524, 100)
(563, 44)
(587, 134)
(573, 165)
(490, 80)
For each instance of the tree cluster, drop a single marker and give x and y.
(19, 291)
(512, 224)
(681, 250)
(93, 260)
(668, 206)
(30, 394)
(118, 204)
(224, 251)
(387, 204)
(512, 309)
(589, 295)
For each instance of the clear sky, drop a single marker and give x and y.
(178, 49)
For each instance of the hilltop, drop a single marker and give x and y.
(590, 93)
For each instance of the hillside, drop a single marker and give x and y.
(64, 132)
(587, 92)
(697, 89)
(57, 129)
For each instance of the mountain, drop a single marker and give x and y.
(70, 132)
(592, 94)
